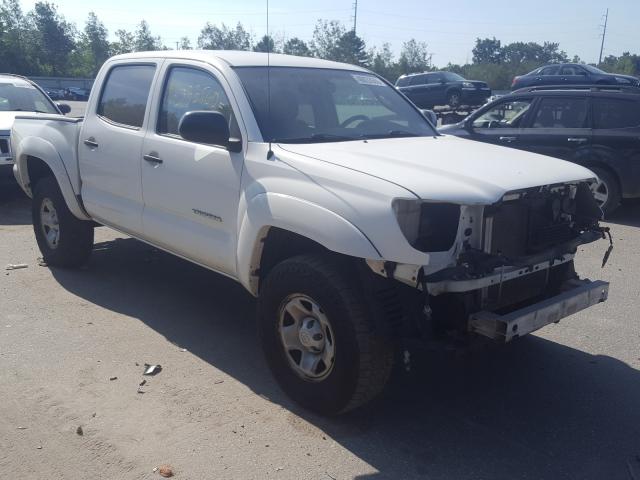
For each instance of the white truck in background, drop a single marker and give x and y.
(327, 195)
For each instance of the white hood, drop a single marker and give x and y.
(446, 168)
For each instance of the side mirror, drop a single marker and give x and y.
(64, 108)
(208, 127)
(430, 115)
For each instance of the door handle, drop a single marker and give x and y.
(91, 142)
(152, 158)
(576, 139)
(507, 139)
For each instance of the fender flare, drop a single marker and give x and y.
(40, 148)
(304, 218)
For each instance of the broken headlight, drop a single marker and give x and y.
(428, 227)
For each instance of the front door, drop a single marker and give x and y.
(191, 191)
(559, 127)
(500, 124)
(110, 145)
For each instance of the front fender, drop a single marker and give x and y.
(40, 148)
(299, 216)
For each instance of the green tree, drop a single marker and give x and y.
(295, 46)
(125, 42)
(93, 47)
(144, 40)
(213, 37)
(16, 44)
(54, 38)
(487, 50)
(382, 62)
(326, 38)
(266, 44)
(184, 44)
(350, 48)
(414, 57)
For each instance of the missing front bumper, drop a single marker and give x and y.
(505, 328)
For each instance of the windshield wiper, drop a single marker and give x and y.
(317, 137)
(392, 133)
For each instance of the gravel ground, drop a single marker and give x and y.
(561, 404)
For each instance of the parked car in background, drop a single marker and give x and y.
(77, 93)
(19, 95)
(429, 89)
(598, 127)
(571, 74)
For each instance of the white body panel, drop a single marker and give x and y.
(214, 207)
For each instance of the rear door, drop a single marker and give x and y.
(616, 138)
(111, 142)
(559, 126)
(500, 123)
(191, 190)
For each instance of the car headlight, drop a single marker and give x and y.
(467, 84)
(428, 227)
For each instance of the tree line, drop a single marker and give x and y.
(43, 42)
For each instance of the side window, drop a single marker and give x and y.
(419, 80)
(549, 71)
(125, 94)
(615, 113)
(504, 115)
(434, 78)
(561, 113)
(187, 90)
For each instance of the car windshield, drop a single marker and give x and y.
(23, 97)
(591, 69)
(312, 105)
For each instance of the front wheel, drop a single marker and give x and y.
(316, 336)
(454, 99)
(63, 239)
(606, 191)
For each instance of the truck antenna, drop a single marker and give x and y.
(269, 152)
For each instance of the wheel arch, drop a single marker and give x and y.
(275, 227)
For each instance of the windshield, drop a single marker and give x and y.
(311, 105)
(591, 69)
(453, 77)
(23, 97)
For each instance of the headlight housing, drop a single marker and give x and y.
(428, 227)
(467, 85)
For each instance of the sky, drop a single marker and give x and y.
(449, 28)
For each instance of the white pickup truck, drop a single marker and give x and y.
(327, 195)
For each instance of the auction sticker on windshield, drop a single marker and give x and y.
(368, 80)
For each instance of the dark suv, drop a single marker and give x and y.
(572, 74)
(429, 89)
(598, 127)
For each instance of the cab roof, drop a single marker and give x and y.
(237, 58)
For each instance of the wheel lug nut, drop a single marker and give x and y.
(318, 336)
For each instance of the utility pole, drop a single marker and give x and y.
(604, 32)
(177, 47)
(355, 15)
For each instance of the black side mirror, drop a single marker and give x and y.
(63, 107)
(208, 127)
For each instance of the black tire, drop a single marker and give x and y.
(363, 360)
(75, 239)
(454, 99)
(610, 182)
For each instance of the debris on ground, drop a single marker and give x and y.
(39, 447)
(41, 262)
(111, 379)
(165, 471)
(22, 428)
(142, 383)
(152, 369)
(79, 430)
(16, 266)
(217, 382)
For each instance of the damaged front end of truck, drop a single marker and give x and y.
(501, 270)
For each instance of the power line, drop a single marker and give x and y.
(604, 32)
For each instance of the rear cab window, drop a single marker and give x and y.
(125, 94)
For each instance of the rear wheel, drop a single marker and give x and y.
(63, 239)
(606, 191)
(316, 336)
